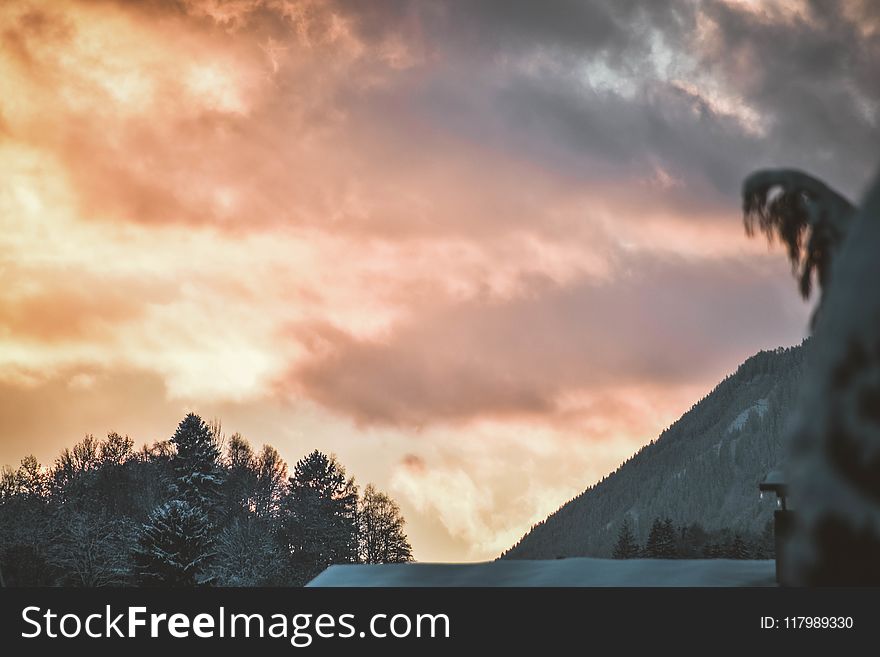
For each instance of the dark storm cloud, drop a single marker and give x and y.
(603, 134)
(815, 77)
(808, 80)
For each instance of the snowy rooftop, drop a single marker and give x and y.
(559, 572)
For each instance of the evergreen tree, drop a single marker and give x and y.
(320, 517)
(737, 548)
(661, 540)
(626, 547)
(380, 529)
(174, 547)
(693, 538)
(199, 477)
(652, 544)
(669, 545)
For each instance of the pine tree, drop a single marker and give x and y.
(174, 547)
(320, 514)
(669, 543)
(693, 539)
(199, 477)
(626, 547)
(652, 549)
(661, 540)
(738, 549)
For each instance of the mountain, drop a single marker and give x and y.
(705, 468)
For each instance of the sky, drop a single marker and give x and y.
(482, 251)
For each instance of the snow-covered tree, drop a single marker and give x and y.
(101, 515)
(835, 475)
(626, 547)
(381, 538)
(174, 547)
(199, 475)
(247, 554)
(808, 216)
(91, 548)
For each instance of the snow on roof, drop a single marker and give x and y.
(559, 572)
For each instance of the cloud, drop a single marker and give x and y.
(413, 462)
(664, 320)
(811, 73)
(67, 311)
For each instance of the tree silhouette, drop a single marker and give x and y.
(380, 529)
(197, 464)
(104, 514)
(320, 516)
(626, 546)
(661, 540)
(737, 548)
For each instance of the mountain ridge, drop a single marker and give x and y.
(704, 468)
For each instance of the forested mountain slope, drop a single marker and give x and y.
(704, 469)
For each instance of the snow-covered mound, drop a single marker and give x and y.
(558, 572)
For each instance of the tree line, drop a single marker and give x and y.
(188, 512)
(668, 541)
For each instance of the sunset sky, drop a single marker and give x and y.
(483, 251)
